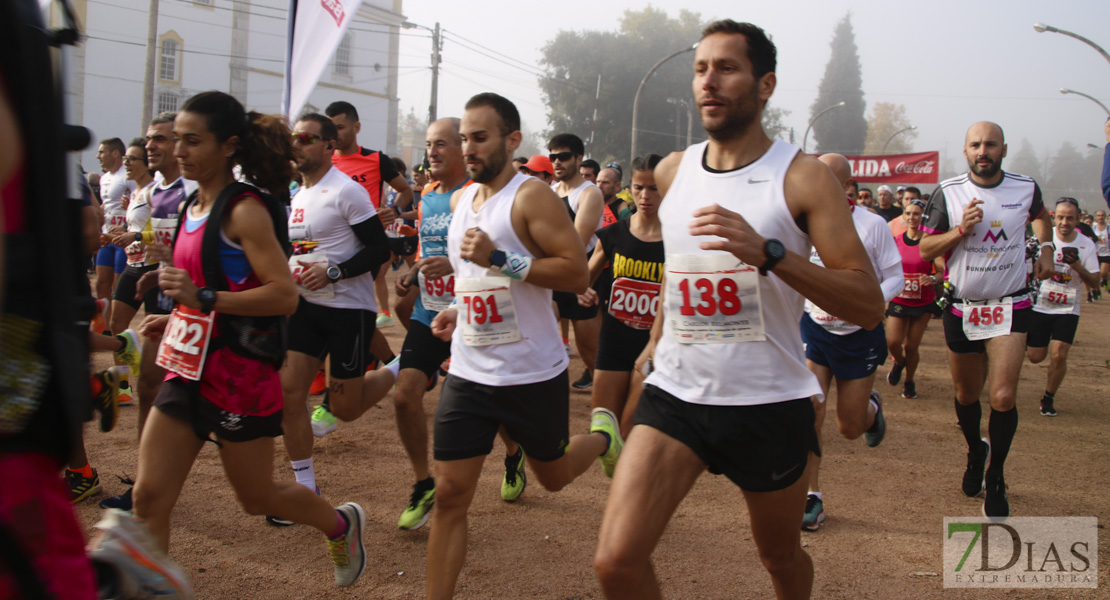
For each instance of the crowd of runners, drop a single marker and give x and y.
(714, 301)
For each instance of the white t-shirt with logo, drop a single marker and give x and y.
(1065, 275)
(324, 214)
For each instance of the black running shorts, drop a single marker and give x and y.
(618, 346)
(173, 400)
(905, 311)
(344, 333)
(126, 286)
(422, 350)
(1045, 327)
(569, 308)
(958, 342)
(534, 414)
(761, 448)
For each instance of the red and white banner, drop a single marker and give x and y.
(315, 29)
(920, 167)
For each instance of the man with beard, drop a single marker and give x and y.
(339, 244)
(729, 390)
(1056, 312)
(510, 243)
(585, 203)
(887, 209)
(977, 222)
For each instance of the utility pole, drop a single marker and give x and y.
(148, 73)
(436, 41)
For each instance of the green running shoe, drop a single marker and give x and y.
(420, 506)
(132, 353)
(515, 480)
(602, 420)
(323, 422)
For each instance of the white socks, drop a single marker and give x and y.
(305, 473)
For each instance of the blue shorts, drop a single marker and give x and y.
(112, 256)
(853, 356)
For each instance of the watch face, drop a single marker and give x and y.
(775, 249)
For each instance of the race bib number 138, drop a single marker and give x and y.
(713, 299)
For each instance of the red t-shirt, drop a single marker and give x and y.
(368, 168)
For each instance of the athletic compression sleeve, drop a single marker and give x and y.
(375, 249)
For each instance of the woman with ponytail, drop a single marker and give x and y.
(223, 343)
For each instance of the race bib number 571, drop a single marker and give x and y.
(713, 299)
(185, 343)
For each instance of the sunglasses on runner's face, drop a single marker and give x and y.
(561, 156)
(306, 138)
(128, 159)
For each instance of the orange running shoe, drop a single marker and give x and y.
(319, 384)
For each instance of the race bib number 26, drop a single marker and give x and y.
(713, 299)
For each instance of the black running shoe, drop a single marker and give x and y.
(996, 505)
(875, 435)
(1047, 407)
(976, 465)
(585, 382)
(909, 390)
(121, 502)
(895, 374)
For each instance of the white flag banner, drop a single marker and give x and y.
(316, 28)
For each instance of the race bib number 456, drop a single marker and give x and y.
(185, 342)
(713, 299)
(985, 320)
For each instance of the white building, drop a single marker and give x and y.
(235, 46)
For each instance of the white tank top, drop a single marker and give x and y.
(539, 355)
(750, 372)
(572, 203)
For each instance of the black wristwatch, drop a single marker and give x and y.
(207, 298)
(498, 258)
(138, 236)
(774, 251)
(334, 273)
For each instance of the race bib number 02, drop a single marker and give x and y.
(985, 320)
(486, 313)
(436, 294)
(634, 303)
(713, 299)
(185, 343)
(298, 263)
(1056, 298)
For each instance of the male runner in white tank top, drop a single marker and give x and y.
(730, 391)
(510, 243)
(586, 204)
(977, 222)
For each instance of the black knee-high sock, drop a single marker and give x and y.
(1002, 427)
(969, 418)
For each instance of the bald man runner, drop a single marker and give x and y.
(849, 353)
(977, 221)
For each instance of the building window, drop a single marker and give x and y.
(169, 58)
(343, 57)
(167, 102)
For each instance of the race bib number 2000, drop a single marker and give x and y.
(713, 299)
(185, 343)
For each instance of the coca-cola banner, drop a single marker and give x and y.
(920, 167)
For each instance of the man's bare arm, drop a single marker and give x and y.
(590, 206)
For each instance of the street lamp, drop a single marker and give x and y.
(1041, 28)
(1091, 98)
(888, 140)
(805, 138)
(437, 43)
(636, 100)
(689, 119)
